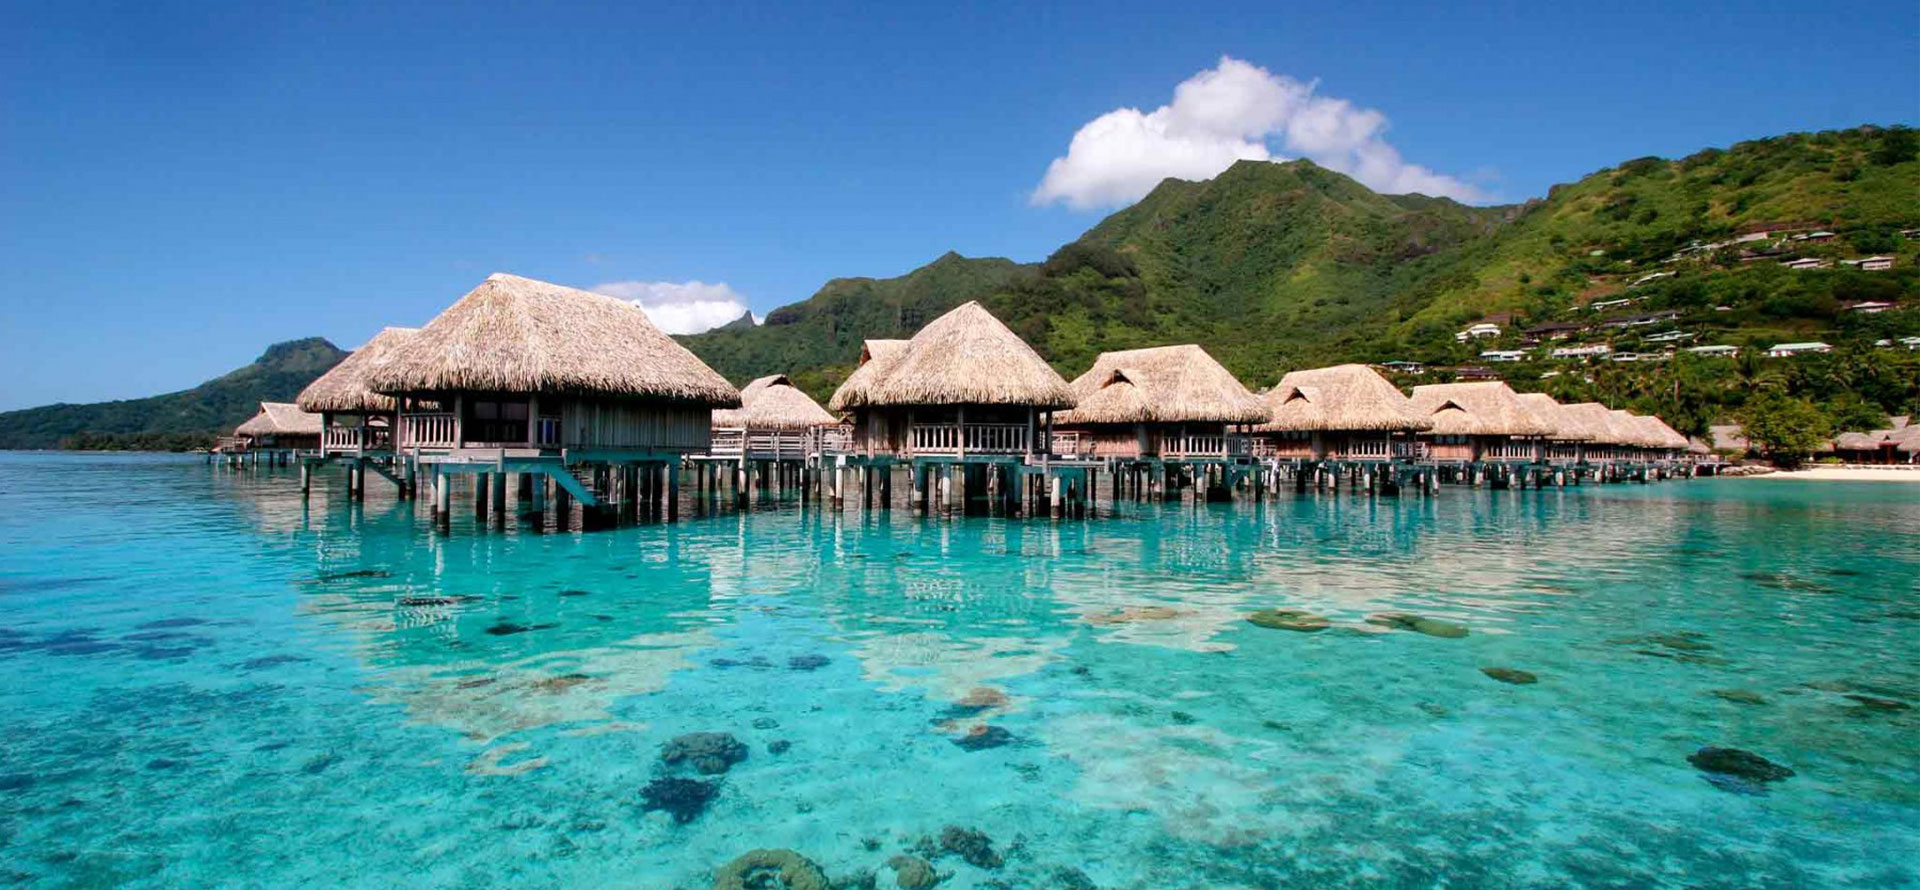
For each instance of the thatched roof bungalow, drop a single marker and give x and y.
(1346, 412)
(1480, 421)
(526, 367)
(773, 403)
(1163, 401)
(964, 385)
(354, 418)
(775, 421)
(280, 425)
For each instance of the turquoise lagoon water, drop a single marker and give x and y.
(205, 684)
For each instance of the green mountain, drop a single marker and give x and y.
(1278, 266)
(176, 420)
(818, 340)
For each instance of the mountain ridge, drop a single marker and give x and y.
(177, 420)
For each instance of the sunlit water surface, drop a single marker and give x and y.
(204, 682)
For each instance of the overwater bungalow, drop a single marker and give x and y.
(1342, 413)
(356, 423)
(1570, 432)
(1343, 423)
(771, 439)
(1160, 403)
(1607, 442)
(276, 435)
(554, 384)
(1481, 430)
(964, 392)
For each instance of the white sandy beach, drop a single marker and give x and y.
(1849, 474)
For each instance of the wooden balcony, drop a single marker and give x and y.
(355, 439)
(429, 431)
(1190, 447)
(796, 445)
(956, 439)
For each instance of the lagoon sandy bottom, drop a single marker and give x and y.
(204, 682)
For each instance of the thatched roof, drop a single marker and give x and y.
(345, 387)
(1163, 384)
(1697, 445)
(1598, 423)
(1343, 397)
(518, 335)
(1857, 441)
(1665, 433)
(1488, 408)
(965, 357)
(1634, 431)
(1906, 438)
(773, 403)
(280, 419)
(1567, 427)
(877, 357)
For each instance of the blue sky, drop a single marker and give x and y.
(185, 183)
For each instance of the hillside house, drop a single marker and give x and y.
(1871, 263)
(1784, 350)
(1715, 351)
(1478, 331)
(1504, 355)
(1806, 263)
(1596, 350)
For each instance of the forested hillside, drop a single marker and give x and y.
(178, 420)
(1279, 266)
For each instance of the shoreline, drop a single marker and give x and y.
(1908, 473)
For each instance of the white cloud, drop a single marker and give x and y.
(680, 307)
(1236, 111)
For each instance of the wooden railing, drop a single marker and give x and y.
(1512, 450)
(355, 439)
(429, 431)
(1215, 445)
(1365, 449)
(971, 438)
(779, 444)
(1411, 450)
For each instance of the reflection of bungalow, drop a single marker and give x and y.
(1347, 412)
(1715, 351)
(1478, 331)
(1782, 350)
(1872, 263)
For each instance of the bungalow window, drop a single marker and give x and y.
(492, 420)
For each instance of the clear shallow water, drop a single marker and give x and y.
(204, 684)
